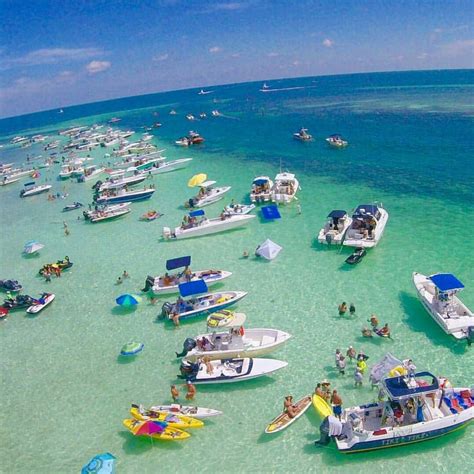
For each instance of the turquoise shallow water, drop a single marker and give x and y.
(64, 391)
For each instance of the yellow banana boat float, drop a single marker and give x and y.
(173, 420)
(168, 434)
(322, 407)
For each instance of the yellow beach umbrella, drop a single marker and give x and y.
(197, 179)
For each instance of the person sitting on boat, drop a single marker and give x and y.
(399, 416)
(167, 281)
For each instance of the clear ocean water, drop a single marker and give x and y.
(64, 390)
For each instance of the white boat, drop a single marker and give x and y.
(203, 226)
(418, 408)
(336, 141)
(207, 195)
(104, 208)
(45, 300)
(66, 171)
(100, 216)
(115, 183)
(265, 87)
(190, 117)
(122, 195)
(201, 304)
(167, 166)
(367, 227)
(193, 412)
(19, 173)
(335, 228)
(146, 137)
(89, 173)
(233, 342)
(164, 285)
(203, 92)
(261, 189)
(231, 370)
(8, 180)
(438, 294)
(183, 142)
(303, 135)
(285, 188)
(238, 209)
(31, 189)
(215, 113)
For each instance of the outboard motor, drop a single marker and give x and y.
(188, 345)
(97, 185)
(166, 309)
(470, 335)
(166, 233)
(188, 369)
(324, 437)
(329, 239)
(149, 282)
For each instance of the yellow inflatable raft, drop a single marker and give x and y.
(322, 407)
(173, 420)
(169, 433)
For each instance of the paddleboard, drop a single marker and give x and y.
(322, 407)
(282, 421)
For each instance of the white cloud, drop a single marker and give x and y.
(161, 57)
(230, 6)
(458, 48)
(51, 56)
(272, 55)
(98, 66)
(215, 49)
(328, 43)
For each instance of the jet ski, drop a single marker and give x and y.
(19, 302)
(357, 256)
(62, 264)
(71, 207)
(10, 285)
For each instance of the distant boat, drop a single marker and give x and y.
(265, 87)
(61, 111)
(203, 92)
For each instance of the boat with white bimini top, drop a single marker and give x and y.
(104, 208)
(285, 188)
(438, 294)
(234, 342)
(89, 173)
(199, 305)
(167, 166)
(419, 407)
(303, 135)
(261, 189)
(100, 216)
(32, 188)
(229, 370)
(123, 195)
(207, 195)
(197, 225)
(238, 209)
(336, 141)
(167, 283)
(121, 182)
(368, 224)
(335, 228)
(194, 412)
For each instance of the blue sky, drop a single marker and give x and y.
(56, 53)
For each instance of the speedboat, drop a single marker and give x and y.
(261, 189)
(234, 342)
(105, 208)
(198, 225)
(193, 138)
(72, 207)
(203, 92)
(190, 117)
(265, 87)
(31, 189)
(336, 141)
(44, 300)
(201, 305)
(285, 188)
(100, 216)
(167, 166)
(207, 195)
(418, 408)
(238, 209)
(122, 195)
(194, 412)
(229, 370)
(335, 228)
(115, 183)
(89, 173)
(368, 224)
(166, 284)
(215, 113)
(438, 294)
(8, 180)
(66, 171)
(303, 135)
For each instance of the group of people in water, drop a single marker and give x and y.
(190, 392)
(323, 389)
(383, 331)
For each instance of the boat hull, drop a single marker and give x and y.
(126, 198)
(366, 243)
(210, 280)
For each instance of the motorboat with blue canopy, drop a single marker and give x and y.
(418, 407)
(438, 294)
(261, 189)
(178, 262)
(367, 227)
(335, 227)
(171, 283)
